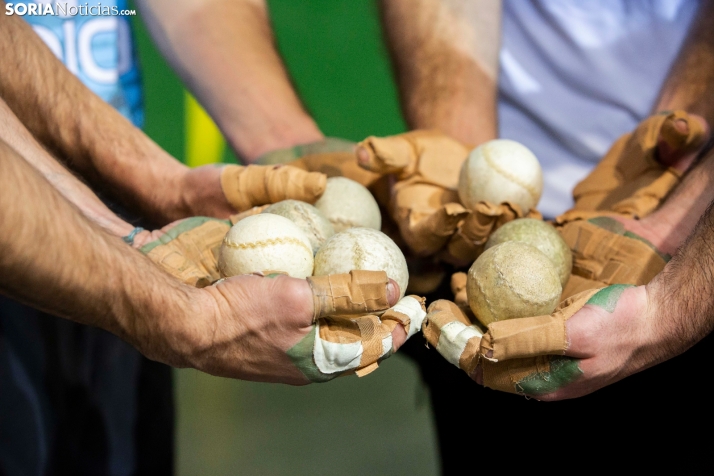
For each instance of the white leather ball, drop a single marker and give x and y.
(266, 242)
(366, 249)
(500, 171)
(348, 204)
(309, 219)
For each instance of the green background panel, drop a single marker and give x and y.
(380, 424)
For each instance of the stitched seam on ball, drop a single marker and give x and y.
(310, 222)
(264, 243)
(343, 221)
(513, 178)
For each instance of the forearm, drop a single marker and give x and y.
(19, 138)
(690, 83)
(446, 59)
(680, 298)
(225, 52)
(56, 260)
(79, 128)
(670, 225)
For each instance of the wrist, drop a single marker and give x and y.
(657, 326)
(274, 136)
(641, 330)
(202, 194)
(174, 333)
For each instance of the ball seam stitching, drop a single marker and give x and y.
(513, 178)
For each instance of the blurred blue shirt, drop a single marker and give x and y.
(99, 50)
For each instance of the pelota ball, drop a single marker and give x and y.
(366, 249)
(348, 204)
(500, 171)
(266, 242)
(541, 235)
(309, 219)
(512, 280)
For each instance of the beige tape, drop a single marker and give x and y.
(629, 178)
(192, 256)
(359, 292)
(247, 187)
(531, 336)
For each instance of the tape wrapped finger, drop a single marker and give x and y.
(631, 180)
(189, 250)
(254, 185)
(470, 239)
(338, 346)
(466, 346)
(354, 293)
(432, 156)
(424, 201)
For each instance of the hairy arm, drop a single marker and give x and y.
(681, 296)
(690, 83)
(225, 52)
(19, 138)
(650, 324)
(446, 59)
(92, 138)
(55, 259)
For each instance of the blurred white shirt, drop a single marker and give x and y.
(575, 75)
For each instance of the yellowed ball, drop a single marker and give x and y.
(365, 249)
(348, 204)
(500, 171)
(512, 280)
(266, 242)
(543, 236)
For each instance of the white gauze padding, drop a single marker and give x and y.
(453, 339)
(332, 357)
(412, 308)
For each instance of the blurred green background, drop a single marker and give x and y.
(381, 424)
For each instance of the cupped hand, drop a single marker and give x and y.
(255, 327)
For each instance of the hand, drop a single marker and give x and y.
(642, 167)
(186, 249)
(424, 200)
(332, 156)
(263, 327)
(531, 356)
(611, 337)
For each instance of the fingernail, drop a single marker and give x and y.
(682, 126)
(392, 292)
(362, 155)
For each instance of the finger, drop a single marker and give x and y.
(458, 288)
(246, 187)
(681, 138)
(188, 250)
(533, 376)
(404, 319)
(340, 346)
(426, 231)
(385, 155)
(532, 336)
(359, 292)
(454, 337)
